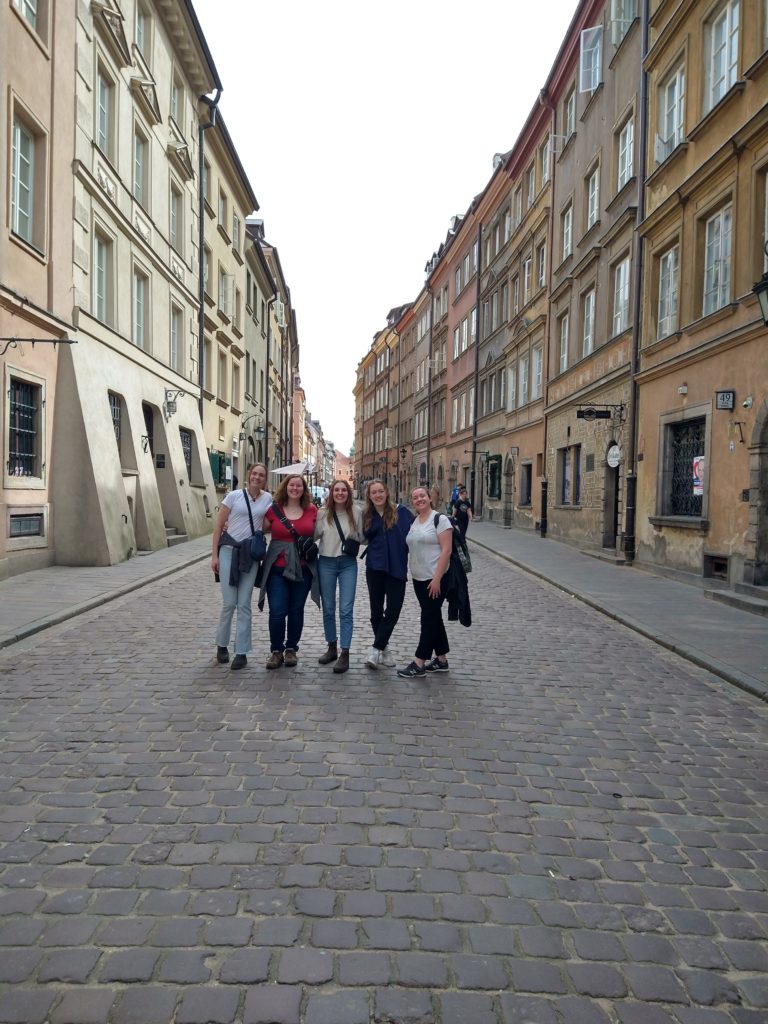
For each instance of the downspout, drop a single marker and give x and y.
(269, 381)
(429, 390)
(399, 405)
(546, 102)
(477, 362)
(628, 540)
(212, 104)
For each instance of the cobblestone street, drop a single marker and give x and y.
(569, 828)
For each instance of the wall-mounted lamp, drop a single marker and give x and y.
(761, 291)
(169, 405)
(145, 442)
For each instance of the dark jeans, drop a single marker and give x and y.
(432, 636)
(386, 595)
(286, 604)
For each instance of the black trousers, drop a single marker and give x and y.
(386, 594)
(432, 636)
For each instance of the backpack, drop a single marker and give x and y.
(459, 549)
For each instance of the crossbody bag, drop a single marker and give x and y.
(349, 546)
(306, 546)
(258, 546)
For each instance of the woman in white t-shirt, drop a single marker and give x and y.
(429, 552)
(231, 562)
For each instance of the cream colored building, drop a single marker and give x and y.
(259, 291)
(130, 455)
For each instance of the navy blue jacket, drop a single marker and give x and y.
(387, 550)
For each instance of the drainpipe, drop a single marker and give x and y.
(269, 381)
(429, 392)
(628, 540)
(212, 104)
(546, 102)
(477, 363)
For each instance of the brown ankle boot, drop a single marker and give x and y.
(289, 658)
(275, 659)
(342, 665)
(330, 655)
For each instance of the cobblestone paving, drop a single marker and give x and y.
(569, 828)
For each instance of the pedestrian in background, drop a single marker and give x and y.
(288, 577)
(385, 528)
(338, 532)
(232, 564)
(429, 552)
(462, 511)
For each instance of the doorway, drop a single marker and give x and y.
(610, 504)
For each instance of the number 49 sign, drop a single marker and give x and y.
(725, 400)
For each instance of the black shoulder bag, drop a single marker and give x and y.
(258, 546)
(306, 546)
(349, 546)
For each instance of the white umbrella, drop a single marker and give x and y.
(296, 469)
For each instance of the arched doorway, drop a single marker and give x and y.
(756, 562)
(610, 498)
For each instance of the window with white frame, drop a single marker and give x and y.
(176, 218)
(518, 206)
(593, 197)
(504, 302)
(29, 11)
(721, 52)
(621, 296)
(25, 436)
(456, 342)
(454, 415)
(176, 339)
(563, 332)
(473, 325)
(221, 382)
(492, 392)
(457, 281)
(588, 323)
(140, 320)
(717, 260)
(626, 154)
(483, 397)
(569, 114)
(465, 267)
(177, 102)
(523, 377)
(541, 265)
(207, 271)
(103, 300)
(671, 116)
(530, 186)
(471, 406)
(538, 372)
(464, 334)
(494, 311)
(502, 388)
(622, 15)
(567, 230)
(544, 154)
(23, 181)
(515, 295)
(590, 58)
(669, 264)
(512, 392)
(143, 31)
(140, 168)
(236, 228)
(223, 210)
(463, 411)
(105, 110)
(527, 274)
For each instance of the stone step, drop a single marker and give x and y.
(177, 538)
(170, 531)
(743, 602)
(753, 591)
(608, 555)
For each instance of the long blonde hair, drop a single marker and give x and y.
(389, 515)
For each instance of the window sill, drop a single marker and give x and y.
(681, 522)
(759, 65)
(223, 232)
(237, 256)
(585, 112)
(621, 45)
(567, 508)
(588, 232)
(622, 193)
(712, 318)
(666, 163)
(209, 209)
(41, 43)
(29, 248)
(711, 115)
(566, 146)
(23, 483)
(209, 299)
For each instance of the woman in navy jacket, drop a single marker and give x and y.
(385, 527)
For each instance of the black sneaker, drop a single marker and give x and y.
(222, 655)
(411, 670)
(436, 666)
(239, 661)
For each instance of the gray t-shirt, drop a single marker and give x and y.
(239, 526)
(424, 546)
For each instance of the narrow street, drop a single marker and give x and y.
(569, 828)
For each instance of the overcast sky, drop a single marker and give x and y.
(364, 127)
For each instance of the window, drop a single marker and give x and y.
(569, 114)
(235, 232)
(185, 436)
(493, 469)
(221, 383)
(671, 114)
(28, 10)
(721, 53)
(207, 182)
(526, 484)
(223, 219)
(515, 295)
(544, 152)
(140, 168)
(457, 281)
(176, 219)
(24, 433)
(207, 271)
(717, 260)
(626, 152)
(486, 319)
(593, 198)
(527, 269)
(518, 206)
(177, 104)
(143, 30)
(463, 411)
(530, 186)
(471, 407)
(456, 342)
(483, 397)
(502, 388)
(563, 361)
(23, 182)
(116, 412)
(567, 230)
(140, 326)
(512, 393)
(494, 311)
(504, 310)
(523, 379)
(622, 16)
(175, 352)
(588, 332)
(621, 296)
(538, 372)
(682, 483)
(473, 325)
(668, 287)
(103, 306)
(464, 334)
(454, 415)
(564, 475)
(590, 58)
(541, 265)
(105, 111)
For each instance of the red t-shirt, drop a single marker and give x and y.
(304, 526)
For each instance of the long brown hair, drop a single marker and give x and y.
(281, 494)
(349, 504)
(389, 515)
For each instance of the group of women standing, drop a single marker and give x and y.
(313, 552)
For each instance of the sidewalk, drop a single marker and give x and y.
(730, 643)
(36, 600)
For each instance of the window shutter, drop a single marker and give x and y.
(590, 58)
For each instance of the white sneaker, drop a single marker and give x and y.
(373, 659)
(387, 658)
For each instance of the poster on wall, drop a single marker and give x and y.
(698, 474)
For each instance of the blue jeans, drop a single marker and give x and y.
(341, 570)
(235, 598)
(286, 606)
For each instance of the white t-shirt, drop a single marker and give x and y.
(239, 526)
(424, 547)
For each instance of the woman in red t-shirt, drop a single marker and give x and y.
(287, 578)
